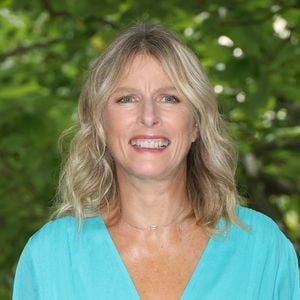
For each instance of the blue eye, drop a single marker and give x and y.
(126, 99)
(170, 99)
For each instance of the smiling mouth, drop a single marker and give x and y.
(150, 143)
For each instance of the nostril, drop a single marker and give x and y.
(149, 114)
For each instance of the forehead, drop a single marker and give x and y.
(141, 68)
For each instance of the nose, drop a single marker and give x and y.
(149, 114)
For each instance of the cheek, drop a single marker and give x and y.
(110, 131)
(185, 131)
(191, 128)
(116, 132)
(195, 132)
(113, 122)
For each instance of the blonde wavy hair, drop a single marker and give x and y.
(88, 182)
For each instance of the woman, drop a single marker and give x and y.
(149, 204)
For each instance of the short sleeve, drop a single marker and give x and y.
(287, 278)
(25, 282)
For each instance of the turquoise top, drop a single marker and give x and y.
(60, 262)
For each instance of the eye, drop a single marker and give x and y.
(126, 99)
(170, 99)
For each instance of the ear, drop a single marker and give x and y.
(195, 132)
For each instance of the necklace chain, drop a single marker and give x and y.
(153, 227)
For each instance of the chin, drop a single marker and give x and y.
(149, 174)
(144, 170)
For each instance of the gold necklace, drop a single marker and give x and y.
(153, 227)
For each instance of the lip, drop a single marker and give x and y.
(149, 137)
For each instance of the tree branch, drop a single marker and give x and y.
(258, 21)
(53, 13)
(288, 144)
(21, 49)
(279, 186)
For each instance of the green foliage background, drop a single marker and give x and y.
(250, 50)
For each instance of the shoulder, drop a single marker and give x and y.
(55, 229)
(57, 225)
(263, 242)
(268, 249)
(263, 231)
(257, 221)
(62, 232)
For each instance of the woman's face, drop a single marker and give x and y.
(148, 124)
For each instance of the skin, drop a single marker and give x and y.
(152, 183)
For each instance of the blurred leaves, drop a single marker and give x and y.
(250, 50)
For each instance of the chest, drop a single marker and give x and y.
(162, 270)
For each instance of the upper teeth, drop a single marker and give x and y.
(152, 144)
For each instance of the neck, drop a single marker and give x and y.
(145, 203)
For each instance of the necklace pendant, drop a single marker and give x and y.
(153, 227)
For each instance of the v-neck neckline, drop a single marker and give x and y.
(196, 274)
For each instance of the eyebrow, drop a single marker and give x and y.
(132, 90)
